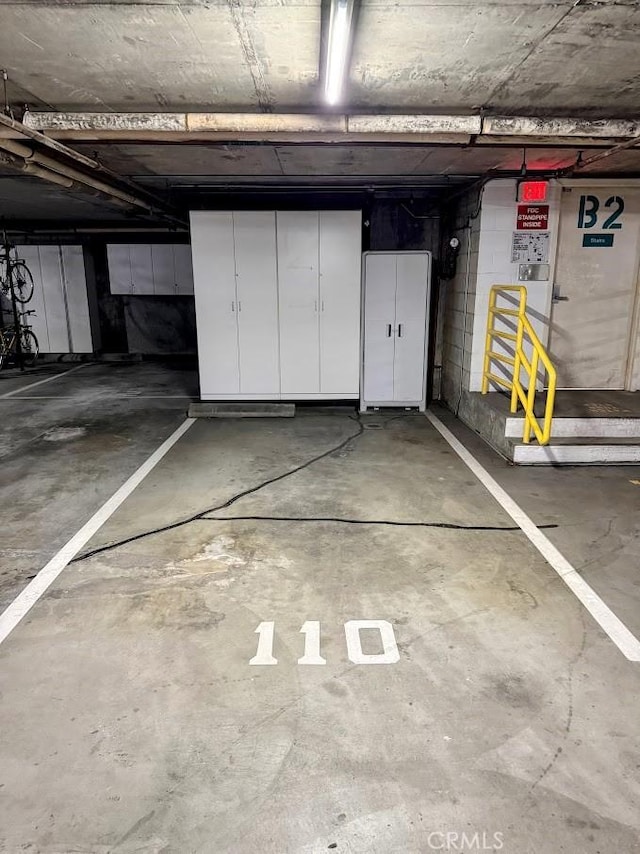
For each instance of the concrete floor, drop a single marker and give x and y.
(131, 720)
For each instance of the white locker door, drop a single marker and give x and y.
(75, 284)
(340, 255)
(257, 289)
(411, 316)
(54, 299)
(119, 268)
(298, 302)
(379, 327)
(164, 278)
(183, 270)
(214, 278)
(141, 269)
(37, 321)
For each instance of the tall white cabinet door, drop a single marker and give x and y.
(75, 285)
(163, 269)
(214, 277)
(340, 255)
(257, 291)
(412, 284)
(183, 269)
(379, 327)
(298, 302)
(37, 321)
(119, 262)
(55, 303)
(141, 268)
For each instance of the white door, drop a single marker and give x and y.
(183, 269)
(37, 321)
(164, 278)
(141, 269)
(54, 299)
(257, 291)
(75, 285)
(412, 284)
(379, 326)
(340, 252)
(596, 278)
(119, 262)
(298, 302)
(214, 279)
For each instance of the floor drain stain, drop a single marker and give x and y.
(63, 434)
(373, 426)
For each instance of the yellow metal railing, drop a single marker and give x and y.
(518, 334)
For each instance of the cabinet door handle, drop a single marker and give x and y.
(322, 305)
(239, 305)
(399, 330)
(233, 306)
(315, 305)
(388, 330)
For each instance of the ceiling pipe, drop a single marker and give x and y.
(37, 171)
(154, 204)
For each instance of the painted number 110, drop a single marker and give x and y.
(312, 654)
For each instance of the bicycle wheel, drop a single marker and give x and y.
(21, 281)
(30, 347)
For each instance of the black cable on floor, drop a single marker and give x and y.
(446, 525)
(197, 516)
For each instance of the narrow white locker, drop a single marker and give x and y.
(183, 268)
(379, 325)
(141, 269)
(54, 299)
(38, 322)
(75, 285)
(396, 300)
(298, 302)
(340, 255)
(119, 261)
(163, 269)
(257, 292)
(412, 278)
(215, 292)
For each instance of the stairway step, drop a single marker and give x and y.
(583, 428)
(568, 451)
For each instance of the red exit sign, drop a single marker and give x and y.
(532, 191)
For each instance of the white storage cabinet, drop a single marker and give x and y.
(277, 304)
(61, 322)
(395, 328)
(150, 269)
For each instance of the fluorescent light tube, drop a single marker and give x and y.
(338, 49)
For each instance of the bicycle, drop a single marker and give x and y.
(15, 276)
(28, 343)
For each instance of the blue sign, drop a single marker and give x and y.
(597, 239)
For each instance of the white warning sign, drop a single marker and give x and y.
(530, 247)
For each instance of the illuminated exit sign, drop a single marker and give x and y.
(532, 191)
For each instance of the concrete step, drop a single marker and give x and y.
(584, 428)
(241, 410)
(568, 451)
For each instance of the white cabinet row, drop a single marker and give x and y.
(61, 322)
(277, 303)
(150, 268)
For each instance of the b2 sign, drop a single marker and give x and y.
(592, 213)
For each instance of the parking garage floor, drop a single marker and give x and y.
(476, 706)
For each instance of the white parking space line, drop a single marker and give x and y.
(22, 604)
(17, 391)
(627, 643)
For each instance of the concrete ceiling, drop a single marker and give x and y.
(536, 57)
(167, 59)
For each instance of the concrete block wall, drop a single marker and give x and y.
(497, 225)
(485, 260)
(458, 301)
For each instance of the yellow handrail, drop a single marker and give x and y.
(519, 331)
